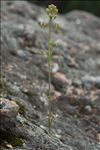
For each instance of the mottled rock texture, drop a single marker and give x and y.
(76, 107)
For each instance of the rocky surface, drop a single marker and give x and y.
(8, 109)
(75, 79)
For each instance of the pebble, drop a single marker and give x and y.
(88, 108)
(9, 146)
(61, 77)
(43, 127)
(98, 137)
(10, 109)
(58, 136)
(54, 67)
(56, 95)
(21, 53)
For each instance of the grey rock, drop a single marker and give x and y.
(9, 108)
(76, 83)
(8, 114)
(21, 53)
(77, 54)
(91, 80)
(88, 108)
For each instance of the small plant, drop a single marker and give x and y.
(52, 13)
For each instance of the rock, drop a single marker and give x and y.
(60, 77)
(71, 91)
(88, 109)
(13, 89)
(98, 137)
(76, 83)
(39, 139)
(61, 21)
(8, 109)
(98, 48)
(56, 95)
(98, 63)
(71, 62)
(21, 53)
(54, 67)
(90, 64)
(76, 52)
(22, 8)
(60, 81)
(8, 113)
(9, 146)
(91, 81)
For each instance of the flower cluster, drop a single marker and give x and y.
(52, 11)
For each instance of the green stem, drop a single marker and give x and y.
(49, 76)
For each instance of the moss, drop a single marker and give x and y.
(7, 137)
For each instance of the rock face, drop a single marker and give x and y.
(24, 83)
(8, 113)
(8, 109)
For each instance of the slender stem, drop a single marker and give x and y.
(49, 76)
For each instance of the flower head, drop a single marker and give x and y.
(52, 11)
